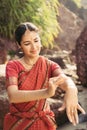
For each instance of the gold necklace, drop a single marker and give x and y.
(29, 65)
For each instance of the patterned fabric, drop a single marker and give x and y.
(33, 115)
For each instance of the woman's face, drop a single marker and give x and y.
(30, 43)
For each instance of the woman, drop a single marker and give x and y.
(30, 81)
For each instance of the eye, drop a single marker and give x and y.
(36, 40)
(26, 44)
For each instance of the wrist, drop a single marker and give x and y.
(71, 86)
(50, 92)
(72, 89)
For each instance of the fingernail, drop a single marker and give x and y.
(70, 120)
(84, 112)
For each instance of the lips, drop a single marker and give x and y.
(34, 51)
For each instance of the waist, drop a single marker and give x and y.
(34, 114)
(46, 116)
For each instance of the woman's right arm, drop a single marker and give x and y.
(19, 96)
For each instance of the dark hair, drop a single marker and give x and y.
(19, 32)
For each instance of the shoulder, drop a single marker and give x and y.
(52, 65)
(13, 64)
(13, 68)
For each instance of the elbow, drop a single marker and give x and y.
(11, 98)
(12, 94)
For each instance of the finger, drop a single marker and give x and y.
(75, 116)
(69, 115)
(72, 116)
(62, 107)
(81, 109)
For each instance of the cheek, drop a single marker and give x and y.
(40, 45)
(25, 49)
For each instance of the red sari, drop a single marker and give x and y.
(33, 115)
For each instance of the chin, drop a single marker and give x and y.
(34, 55)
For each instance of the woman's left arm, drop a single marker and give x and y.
(71, 95)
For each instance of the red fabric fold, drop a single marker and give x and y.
(23, 115)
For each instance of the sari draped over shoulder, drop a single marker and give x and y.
(25, 115)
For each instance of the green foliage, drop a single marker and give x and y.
(11, 53)
(43, 13)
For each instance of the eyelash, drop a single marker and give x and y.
(30, 43)
(37, 41)
(27, 44)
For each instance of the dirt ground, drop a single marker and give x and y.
(83, 100)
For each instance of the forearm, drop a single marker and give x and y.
(63, 81)
(71, 97)
(19, 96)
(68, 85)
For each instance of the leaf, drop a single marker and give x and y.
(43, 13)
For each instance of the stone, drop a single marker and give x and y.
(81, 57)
(71, 27)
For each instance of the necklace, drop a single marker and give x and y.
(28, 65)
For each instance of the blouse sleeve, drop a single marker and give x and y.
(55, 66)
(11, 74)
(11, 70)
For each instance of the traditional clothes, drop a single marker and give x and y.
(32, 115)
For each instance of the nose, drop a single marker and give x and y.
(33, 46)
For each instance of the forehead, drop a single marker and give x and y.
(30, 35)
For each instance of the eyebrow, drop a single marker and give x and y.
(26, 41)
(36, 38)
(30, 41)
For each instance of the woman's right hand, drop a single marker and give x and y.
(54, 82)
(51, 89)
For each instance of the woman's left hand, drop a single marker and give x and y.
(71, 97)
(72, 105)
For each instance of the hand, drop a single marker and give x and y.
(58, 80)
(72, 106)
(54, 82)
(51, 88)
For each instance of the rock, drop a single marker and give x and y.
(4, 103)
(2, 70)
(71, 27)
(82, 118)
(6, 47)
(81, 57)
(2, 53)
(59, 94)
(59, 61)
(4, 106)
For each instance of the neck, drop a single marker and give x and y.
(30, 60)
